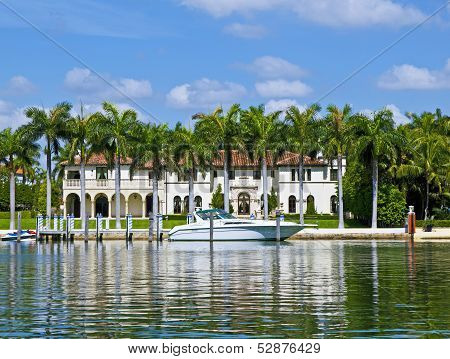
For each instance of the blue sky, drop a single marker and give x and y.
(170, 59)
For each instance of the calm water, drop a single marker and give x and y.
(317, 289)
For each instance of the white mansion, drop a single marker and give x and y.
(320, 183)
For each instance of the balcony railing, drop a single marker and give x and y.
(73, 183)
(137, 183)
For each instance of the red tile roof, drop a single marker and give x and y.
(238, 159)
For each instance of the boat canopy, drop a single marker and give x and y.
(217, 214)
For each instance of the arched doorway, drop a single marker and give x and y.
(177, 205)
(310, 205)
(101, 206)
(244, 204)
(149, 204)
(73, 205)
(292, 204)
(135, 205)
(333, 204)
(198, 202)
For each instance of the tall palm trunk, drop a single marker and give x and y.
(427, 199)
(191, 190)
(374, 192)
(300, 188)
(340, 194)
(117, 187)
(226, 183)
(83, 212)
(155, 206)
(265, 188)
(12, 199)
(49, 178)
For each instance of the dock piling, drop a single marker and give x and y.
(211, 226)
(158, 226)
(19, 225)
(278, 229)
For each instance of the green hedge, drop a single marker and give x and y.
(438, 223)
(25, 215)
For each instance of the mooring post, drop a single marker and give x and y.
(97, 226)
(158, 227)
(278, 221)
(86, 227)
(127, 231)
(67, 226)
(151, 219)
(411, 222)
(211, 226)
(19, 226)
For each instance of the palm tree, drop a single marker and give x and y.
(223, 132)
(113, 135)
(16, 149)
(303, 139)
(263, 134)
(190, 153)
(52, 126)
(373, 140)
(335, 143)
(429, 155)
(80, 129)
(154, 148)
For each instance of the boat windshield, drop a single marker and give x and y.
(217, 214)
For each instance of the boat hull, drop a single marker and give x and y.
(237, 233)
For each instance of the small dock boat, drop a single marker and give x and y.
(23, 235)
(229, 228)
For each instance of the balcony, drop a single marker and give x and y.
(109, 184)
(244, 182)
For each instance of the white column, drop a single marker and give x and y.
(92, 208)
(65, 209)
(143, 208)
(126, 207)
(109, 208)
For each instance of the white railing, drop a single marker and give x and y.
(73, 183)
(92, 184)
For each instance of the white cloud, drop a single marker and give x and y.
(11, 116)
(245, 31)
(282, 88)
(19, 85)
(410, 77)
(326, 12)
(84, 82)
(220, 8)
(399, 117)
(282, 105)
(358, 13)
(274, 67)
(205, 93)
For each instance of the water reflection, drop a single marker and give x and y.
(152, 289)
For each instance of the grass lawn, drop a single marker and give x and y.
(170, 223)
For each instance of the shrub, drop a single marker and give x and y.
(439, 223)
(391, 206)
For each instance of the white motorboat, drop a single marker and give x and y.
(229, 228)
(24, 235)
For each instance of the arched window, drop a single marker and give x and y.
(310, 205)
(244, 204)
(177, 205)
(333, 204)
(198, 202)
(186, 204)
(292, 204)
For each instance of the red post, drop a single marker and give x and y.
(411, 222)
